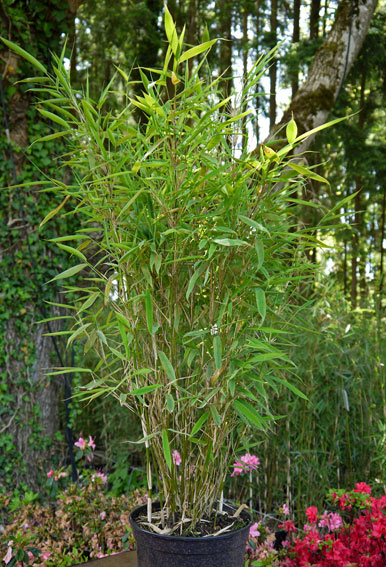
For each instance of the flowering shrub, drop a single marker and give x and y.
(353, 535)
(81, 522)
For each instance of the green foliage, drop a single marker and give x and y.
(337, 437)
(188, 249)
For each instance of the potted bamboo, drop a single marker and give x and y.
(189, 258)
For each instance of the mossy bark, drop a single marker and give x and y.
(315, 99)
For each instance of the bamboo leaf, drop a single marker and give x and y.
(70, 272)
(54, 118)
(54, 211)
(170, 30)
(260, 253)
(230, 242)
(170, 402)
(252, 223)
(167, 366)
(261, 302)
(17, 49)
(197, 50)
(199, 424)
(166, 448)
(217, 351)
(249, 412)
(73, 251)
(290, 386)
(52, 136)
(145, 390)
(215, 415)
(77, 333)
(307, 172)
(149, 311)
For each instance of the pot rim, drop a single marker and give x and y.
(189, 538)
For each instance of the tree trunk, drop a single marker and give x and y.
(355, 247)
(295, 39)
(273, 66)
(245, 67)
(257, 104)
(332, 62)
(30, 417)
(314, 19)
(225, 65)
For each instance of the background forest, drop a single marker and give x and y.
(330, 63)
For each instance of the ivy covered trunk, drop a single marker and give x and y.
(29, 402)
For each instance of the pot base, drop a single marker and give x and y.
(155, 550)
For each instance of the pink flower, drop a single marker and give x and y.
(8, 556)
(81, 443)
(247, 463)
(91, 443)
(176, 457)
(238, 468)
(288, 525)
(312, 514)
(50, 473)
(251, 462)
(330, 521)
(98, 475)
(103, 515)
(46, 555)
(285, 509)
(362, 487)
(253, 530)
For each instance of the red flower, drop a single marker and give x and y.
(362, 487)
(312, 514)
(288, 525)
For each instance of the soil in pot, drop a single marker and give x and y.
(220, 545)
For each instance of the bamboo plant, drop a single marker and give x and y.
(187, 256)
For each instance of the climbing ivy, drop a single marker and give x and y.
(27, 259)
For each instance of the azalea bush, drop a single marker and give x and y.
(352, 532)
(81, 521)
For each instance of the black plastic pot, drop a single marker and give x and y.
(224, 550)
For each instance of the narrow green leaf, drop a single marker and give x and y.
(261, 302)
(252, 223)
(17, 49)
(54, 211)
(166, 448)
(167, 366)
(52, 136)
(230, 242)
(170, 30)
(215, 415)
(73, 251)
(307, 172)
(77, 333)
(249, 412)
(192, 282)
(217, 351)
(70, 272)
(260, 253)
(54, 118)
(149, 311)
(145, 390)
(196, 50)
(89, 302)
(322, 127)
(123, 320)
(170, 402)
(290, 386)
(199, 423)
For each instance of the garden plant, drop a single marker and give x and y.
(188, 262)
